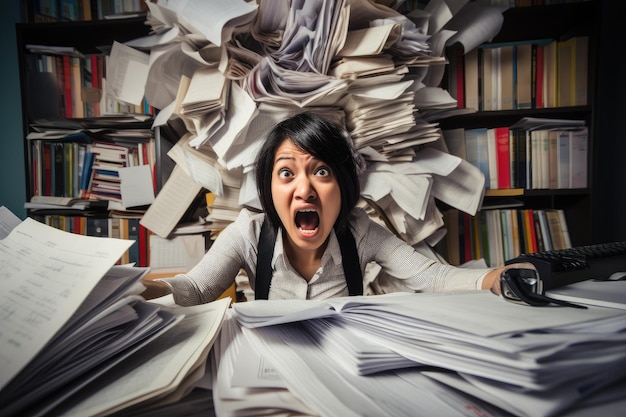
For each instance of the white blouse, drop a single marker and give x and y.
(402, 267)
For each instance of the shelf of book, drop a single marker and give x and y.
(541, 66)
(499, 234)
(87, 154)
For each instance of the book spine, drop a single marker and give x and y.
(144, 258)
(67, 86)
(503, 157)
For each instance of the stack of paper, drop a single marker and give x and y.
(524, 360)
(258, 64)
(73, 321)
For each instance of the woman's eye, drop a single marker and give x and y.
(323, 172)
(284, 173)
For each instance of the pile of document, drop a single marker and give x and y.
(230, 70)
(419, 354)
(78, 339)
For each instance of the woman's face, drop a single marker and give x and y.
(306, 196)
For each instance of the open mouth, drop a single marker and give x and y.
(307, 220)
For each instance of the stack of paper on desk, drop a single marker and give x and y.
(73, 322)
(524, 360)
(379, 69)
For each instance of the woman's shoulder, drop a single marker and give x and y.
(247, 225)
(247, 214)
(363, 226)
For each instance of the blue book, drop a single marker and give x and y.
(476, 147)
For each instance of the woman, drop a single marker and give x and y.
(307, 179)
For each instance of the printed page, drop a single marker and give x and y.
(46, 275)
(171, 203)
(8, 221)
(171, 358)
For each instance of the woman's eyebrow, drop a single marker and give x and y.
(283, 157)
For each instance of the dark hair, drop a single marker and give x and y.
(324, 141)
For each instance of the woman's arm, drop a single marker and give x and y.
(155, 288)
(492, 279)
(216, 271)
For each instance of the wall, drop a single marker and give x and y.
(12, 177)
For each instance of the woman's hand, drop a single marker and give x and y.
(492, 279)
(155, 289)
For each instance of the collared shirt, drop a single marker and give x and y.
(402, 267)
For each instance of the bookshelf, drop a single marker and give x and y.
(538, 25)
(46, 103)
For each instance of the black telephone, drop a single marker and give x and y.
(523, 286)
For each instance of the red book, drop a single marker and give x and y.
(47, 169)
(460, 79)
(76, 225)
(144, 259)
(532, 239)
(67, 87)
(503, 157)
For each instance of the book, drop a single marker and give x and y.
(507, 233)
(455, 142)
(581, 73)
(516, 233)
(67, 87)
(503, 157)
(566, 65)
(579, 148)
(133, 234)
(508, 73)
(55, 200)
(522, 154)
(567, 241)
(494, 230)
(456, 79)
(537, 76)
(58, 169)
(553, 158)
(492, 156)
(471, 81)
(523, 81)
(543, 159)
(452, 247)
(487, 92)
(76, 79)
(97, 226)
(535, 164)
(46, 159)
(545, 230)
(531, 234)
(539, 239)
(550, 74)
(563, 159)
(476, 146)
(144, 246)
(556, 232)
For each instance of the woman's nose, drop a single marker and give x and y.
(305, 189)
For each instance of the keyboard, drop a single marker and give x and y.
(561, 267)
